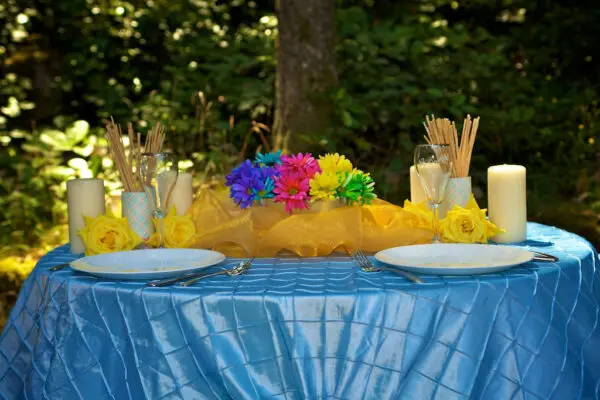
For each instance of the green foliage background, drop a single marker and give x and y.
(527, 67)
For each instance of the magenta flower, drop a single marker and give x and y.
(300, 164)
(292, 189)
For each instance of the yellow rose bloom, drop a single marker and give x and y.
(491, 229)
(323, 186)
(463, 226)
(417, 215)
(106, 234)
(334, 163)
(468, 224)
(180, 231)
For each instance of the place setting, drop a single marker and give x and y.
(442, 169)
(154, 199)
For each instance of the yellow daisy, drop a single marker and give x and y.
(323, 186)
(334, 163)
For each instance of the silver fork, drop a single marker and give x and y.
(239, 269)
(366, 265)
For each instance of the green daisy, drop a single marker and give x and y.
(357, 187)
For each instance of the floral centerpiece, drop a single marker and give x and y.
(298, 180)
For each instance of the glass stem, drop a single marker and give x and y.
(436, 223)
(161, 230)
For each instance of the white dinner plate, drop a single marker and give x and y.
(454, 259)
(147, 264)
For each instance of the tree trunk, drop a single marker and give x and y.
(305, 72)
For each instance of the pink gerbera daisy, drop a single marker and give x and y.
(300, 164)
(292, 189)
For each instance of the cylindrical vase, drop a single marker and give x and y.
(458, 193)
(137, 208)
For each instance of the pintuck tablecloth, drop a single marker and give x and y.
(311, 329)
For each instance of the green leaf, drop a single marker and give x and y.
(78, 164)
(347, 119)
(78, 131)
(59, 171)
(435, 93)
(84, 151)
(55, 139)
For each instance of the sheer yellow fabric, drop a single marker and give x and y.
(268, 231)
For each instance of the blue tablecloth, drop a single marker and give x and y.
(299, 329)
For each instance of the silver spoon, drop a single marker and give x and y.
(235, 271)
(170, 281)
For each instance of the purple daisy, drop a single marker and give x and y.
(243, 191)
(248, 183)
(244, 168)
(241, 181)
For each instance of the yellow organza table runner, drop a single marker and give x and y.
(268, 231)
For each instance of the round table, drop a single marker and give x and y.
(311, 328)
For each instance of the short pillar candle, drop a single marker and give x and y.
(507, 202)
(182, 194)
(417, 193)
(84, 197)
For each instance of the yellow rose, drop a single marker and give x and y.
(180, 231)
(463, 226)
(106, 234)
(417, 215)
(468, 224)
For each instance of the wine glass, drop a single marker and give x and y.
(159, 174)
(434, 167)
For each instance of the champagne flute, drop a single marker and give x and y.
(159, 173)
(434, 168)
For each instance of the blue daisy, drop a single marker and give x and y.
(268, 159)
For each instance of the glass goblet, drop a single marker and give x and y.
(159, 174)
(434, 167)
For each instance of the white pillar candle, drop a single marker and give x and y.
(182, 195)
(84, 197)
(507, 202)
(417, 193)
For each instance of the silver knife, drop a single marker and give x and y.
(543, 257)
(170, 281)
(59, 267)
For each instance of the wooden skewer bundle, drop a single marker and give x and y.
(128, 165)
(443, 131)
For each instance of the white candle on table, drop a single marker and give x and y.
(182, 194)
(507, 202)
(417, 194)
(84, 197)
